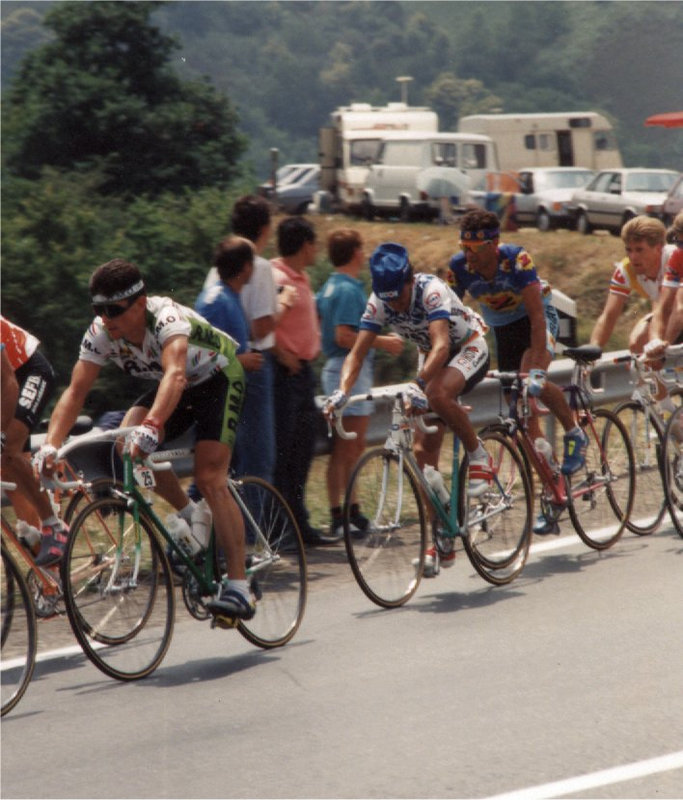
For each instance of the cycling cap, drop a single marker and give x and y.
(390, 268)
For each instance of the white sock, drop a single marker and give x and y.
(479, 454)
(186, 513)
(49, 521)
(240, 586)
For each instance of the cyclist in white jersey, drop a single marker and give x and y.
(198, 381)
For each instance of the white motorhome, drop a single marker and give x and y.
(416, 173)
(560, 139)
(351, 143)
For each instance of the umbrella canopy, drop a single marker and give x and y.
(672, 119)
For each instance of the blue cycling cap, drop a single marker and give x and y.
(390, 268)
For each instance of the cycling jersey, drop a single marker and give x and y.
(626, 280)
(674, 270)
(209, 350)
(501, 297)
(430, 300)
(20, 344)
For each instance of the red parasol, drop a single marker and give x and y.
(672, 119)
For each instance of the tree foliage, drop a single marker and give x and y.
(102, 93)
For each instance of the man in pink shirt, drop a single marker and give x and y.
(297, 343)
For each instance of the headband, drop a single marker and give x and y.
(482, 235)
(136, 288)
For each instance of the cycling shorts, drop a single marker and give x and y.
(513, 339)
(472, 360)
(213, 407)
(36, 380)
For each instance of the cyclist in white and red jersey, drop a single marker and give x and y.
(198, 380)
(36, 380)
(667, 318)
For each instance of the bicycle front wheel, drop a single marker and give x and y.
(672, 468)
(276, 565)
(388, 556)
(645, 433)
(601, 492)
(498, 522)
(118, 590)
(19, 633)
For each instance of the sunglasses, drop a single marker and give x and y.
(474, 246)
(110, 310)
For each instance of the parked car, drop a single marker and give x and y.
(673, 203)
(544, 193)
(296, 185)
(614, 196)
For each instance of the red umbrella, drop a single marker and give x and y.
(672, 119)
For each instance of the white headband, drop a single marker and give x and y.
(122, 295)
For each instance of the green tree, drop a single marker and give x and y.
(103, 94)
(452, 98)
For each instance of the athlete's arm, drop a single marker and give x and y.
(69, 405)
(603, 328)
(172, 385)
(10, 391)
(354, 360)
(439, 334)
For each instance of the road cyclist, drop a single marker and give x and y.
(197, 378)
(517, 305)
(423, 310)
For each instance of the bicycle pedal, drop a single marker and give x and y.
(226, 623)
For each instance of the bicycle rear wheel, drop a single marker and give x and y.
(118, 590)
(387, 558)
(645, 433)
(276, 565)
(498, 522)
(672, 468)
(19, 633)
(601, 492)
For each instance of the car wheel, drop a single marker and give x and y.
(404, 211)
(302, 208)
(543, 220)
(367, 209)
(582, 224)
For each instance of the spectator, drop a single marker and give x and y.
(297, 343)
(341, 303)
(255, 445)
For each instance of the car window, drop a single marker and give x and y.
(614, 186)
(649, 181)
(601, 182)
(364, 152)
(444, 154)
(474, 156)
(564, 180)
(678, 191)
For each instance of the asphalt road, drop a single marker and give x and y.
(566, 683)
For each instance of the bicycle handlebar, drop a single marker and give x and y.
(392, 393)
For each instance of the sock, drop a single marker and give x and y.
(575, 431)
(240, 586)
(49, 521)
(186, 513)
(479, 454)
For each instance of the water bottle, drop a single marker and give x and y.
(29, 535)
(544, 447)
(181, 533)
(201, 524)
(435, 480)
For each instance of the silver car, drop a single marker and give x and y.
(615, 196)
(544, 193)
(296, 185)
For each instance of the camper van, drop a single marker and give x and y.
(562, 139)
(350, 144)
(415, 173)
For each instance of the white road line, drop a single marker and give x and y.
(604, 777)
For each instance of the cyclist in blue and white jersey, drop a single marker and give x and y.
(424, 310)
(198, 380)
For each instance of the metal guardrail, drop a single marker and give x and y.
(612, 383)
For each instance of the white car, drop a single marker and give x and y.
(615, 196)
(544, 193)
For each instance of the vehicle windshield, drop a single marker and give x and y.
(650, 181)
(563, 180)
